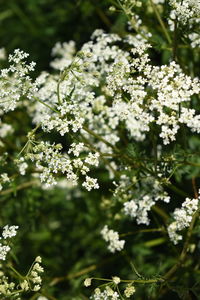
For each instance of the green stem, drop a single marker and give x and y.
(141, 231)
(183, 254)
(161, 213)
(58, 92)
(177, 190)
(30, 136)
(132, 265)
(88, 144)
(141, 281)
(16, 272)
(99, 138)
(155, 153)
(161, 22)
(22, 150)
(118, 290)
(19, 187)
(45, 104)
(175, 44)
(131, 20)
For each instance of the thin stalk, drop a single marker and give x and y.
(175, 44)
(118, 290)
(131, 20)
(141, 231)
(132, 265)
(58, 93)
(141, 281)
(196, 195)
(161, 22)
(177, 190)
(88, 144)
(99, 138)
(22, 150)
(16, 272)
(45, 104)
(31, 134)
(19, 187)
(83, 271)
(161, 213)
(155, 153)
(183, 253)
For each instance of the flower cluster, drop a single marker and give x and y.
(186, 10)
(139, 109)
(64, 54)
(15, 82)
(107, 294)
(33, 278)
(146, 194)
(8, 232)
(5, 129)
(129, 291)
(183, 217)
(51, 161)
(3, 179)
(108, 290)
(31, 282)
(112, 237)
(22, 165)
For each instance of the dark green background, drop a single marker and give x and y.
(36, 25)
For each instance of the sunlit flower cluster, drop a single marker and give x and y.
(15, 81)
(186, 10)
(183, 217)
(107, 294)
(50, 161)
(30, 282)
(112, 237)
(8, 232)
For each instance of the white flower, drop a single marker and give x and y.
(36, 288)
(4, 251)
(183, 217)
(24, 285)
(129, 291)
(87, 282)
(116, 279)
(90, 183)
(112, 237)
(9, 231)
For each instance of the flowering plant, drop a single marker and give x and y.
(114, 126)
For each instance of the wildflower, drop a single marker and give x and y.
(116, 279)
(129, 291)
(183, 217)
(112, 237)
(87, 282)
(9, 231)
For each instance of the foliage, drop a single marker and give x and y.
(100, 153)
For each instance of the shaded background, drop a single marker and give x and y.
(36, 25)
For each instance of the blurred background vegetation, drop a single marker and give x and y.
(36, 25)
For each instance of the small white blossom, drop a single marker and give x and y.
(112, 237)
(116, 279)
(9, 231)
(90, 183)
(129, 291)
(183, 217)
(87, 282)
